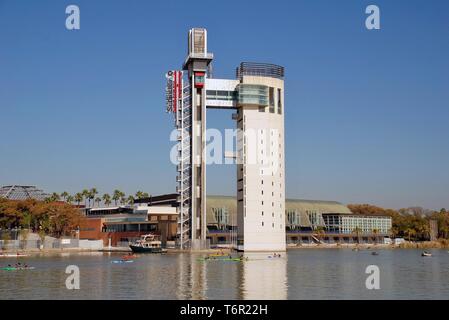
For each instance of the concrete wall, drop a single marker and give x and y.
(261, 214)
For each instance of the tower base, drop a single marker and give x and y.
(200, 244)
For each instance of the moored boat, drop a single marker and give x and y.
(426, 254)
(12, 255)
(148, 243)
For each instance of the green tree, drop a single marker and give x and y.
(116, 196)
(375, 233)
(70, 199)
(106, 199)
(357, 231)
(97, 201)
(85, 194)
(410, 233)
(92, 194)
(319, 232)
(122, 198)
(64, 195)
(130, 200)
(79, 198)
(139, 195)
(27, 219)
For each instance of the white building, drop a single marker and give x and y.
(260, 172)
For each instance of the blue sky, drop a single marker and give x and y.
(367, 112)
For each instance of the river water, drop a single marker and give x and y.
(299, 274)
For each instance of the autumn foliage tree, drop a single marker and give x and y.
(52, 218)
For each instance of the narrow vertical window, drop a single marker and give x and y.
(271, 98)
(279, 101)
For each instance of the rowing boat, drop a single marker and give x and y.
(16, 269)
(227, 259)
(12, 255)
(122, 261)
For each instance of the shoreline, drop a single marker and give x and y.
(362, 246)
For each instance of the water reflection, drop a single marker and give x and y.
(192, 277)
(258, 277)
(263, 278)
(304, 274)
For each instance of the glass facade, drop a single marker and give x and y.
(221, 95)
(253, 94)
(222, 217)
(311, 219)
(357, 224)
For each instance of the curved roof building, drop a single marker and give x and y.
(222, 210)
(16, 192)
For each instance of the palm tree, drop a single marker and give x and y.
(116, 196)
(85, 194)
(357, 231)
(320, 232)
(145, 195)
(55, 197)
(130, 200)
(97, 201)
(375, 232)
(92, 193)
(122, 198)
(79, 198)
(64, 195)
(107, 199)
(69, 199)
(139, 195)
(410, 233)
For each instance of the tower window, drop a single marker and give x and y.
(279, 101)
(271, 99)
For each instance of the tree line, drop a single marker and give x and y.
(46, 218)
(91, 197)
(412, 223)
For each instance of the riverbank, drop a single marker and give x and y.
(443, 244)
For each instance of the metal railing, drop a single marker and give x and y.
(260, 70)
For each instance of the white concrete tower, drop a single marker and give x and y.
(260, 154)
